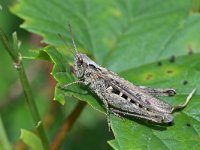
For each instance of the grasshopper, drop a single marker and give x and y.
(121, 97)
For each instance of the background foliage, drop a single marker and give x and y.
(153, 43)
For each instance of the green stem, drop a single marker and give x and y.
(8, 47)
(32, 106)
(13, 52)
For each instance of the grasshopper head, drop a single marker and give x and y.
(82, 62)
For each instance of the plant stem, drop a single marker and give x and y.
(32, 106)
(64, 130)
(13, 52)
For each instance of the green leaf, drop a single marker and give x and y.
(114, 144)
(153, 43)
(62, 74)
(31, 140)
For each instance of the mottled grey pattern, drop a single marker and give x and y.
(121, 97)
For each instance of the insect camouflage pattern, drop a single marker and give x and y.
(121, 97)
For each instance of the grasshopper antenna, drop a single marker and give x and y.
(73, 42)
(65, 43)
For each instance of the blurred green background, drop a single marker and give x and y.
(13, 109)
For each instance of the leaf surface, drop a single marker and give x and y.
(31, 140)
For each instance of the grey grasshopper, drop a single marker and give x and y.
(121, 97)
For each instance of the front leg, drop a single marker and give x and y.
(72, 83)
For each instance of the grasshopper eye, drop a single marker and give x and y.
(80, 61)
